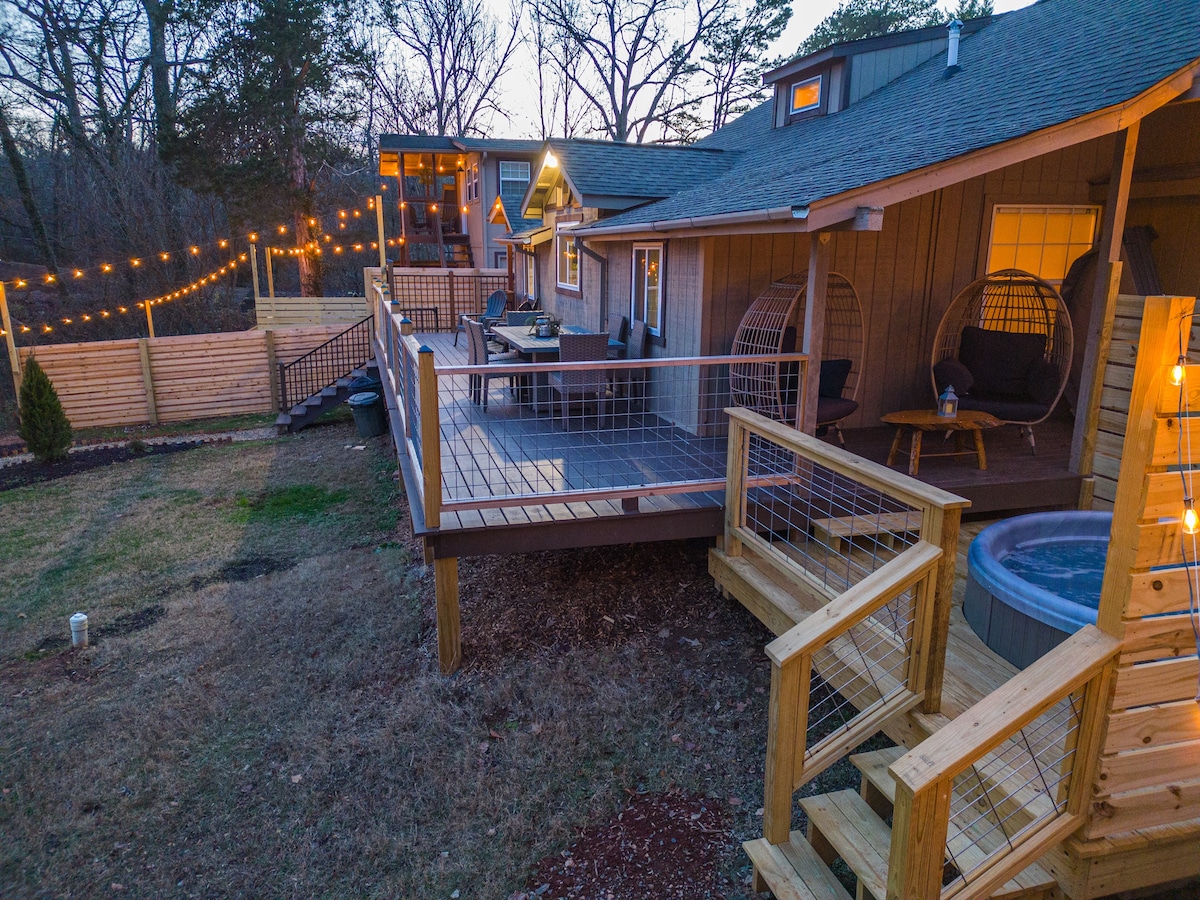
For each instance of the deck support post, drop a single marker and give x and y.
(1104, 302)
(445, 585)
(814, 324)
(943, 526)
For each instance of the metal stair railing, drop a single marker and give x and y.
(322, 366)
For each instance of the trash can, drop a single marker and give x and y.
(365, 383)
(369, 415)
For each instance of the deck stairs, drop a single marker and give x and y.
(311, 408)
(855, 828)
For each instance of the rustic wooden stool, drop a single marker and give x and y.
(918, 421)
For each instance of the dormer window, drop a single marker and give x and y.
(806, 96)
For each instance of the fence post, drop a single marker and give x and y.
(270, 280)
(453, 316)
(379, 229)
(273, 368)
(148, 378)
(14, 358)
(149, 318)
(940, 527)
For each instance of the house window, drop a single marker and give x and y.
(530, 282)
(471, 179)
(514, 178)
(806, 95)
(1044, 240)
(646, 294)
(568, 261)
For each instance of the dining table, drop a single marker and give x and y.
(540, 349)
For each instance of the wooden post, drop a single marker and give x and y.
(379, 229)
(273, 370)
(449, 629)
(1104, 302)
(149, 318)
(14, 358)
(453, 300)
(270, 279)
(512, 281)
(254, 269)
(431, 446)
(814, 323)
(919, 820)
(736, 461)
(148, 380)
(940, 527)
(783, 726)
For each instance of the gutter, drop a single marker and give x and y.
(751, 217)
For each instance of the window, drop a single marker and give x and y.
(646, 295)
(806, 95)
(514, 178)
(530, 282)
(471, 182)
(568, 261)
(1044, 240)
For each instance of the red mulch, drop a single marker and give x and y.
(660, 847)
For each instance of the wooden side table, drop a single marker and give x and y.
(918, 421)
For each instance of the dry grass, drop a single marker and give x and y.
(281, 729)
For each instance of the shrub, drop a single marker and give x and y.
(43, 425)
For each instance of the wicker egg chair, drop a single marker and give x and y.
(1005, 344)
(770, 326)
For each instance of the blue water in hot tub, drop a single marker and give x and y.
(1072, 568)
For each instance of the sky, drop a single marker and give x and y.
(519, 92)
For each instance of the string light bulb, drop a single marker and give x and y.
(1177, 371)
(223, 243)
(105, 268)
(1191, 520)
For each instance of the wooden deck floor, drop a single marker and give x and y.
(1014, 481)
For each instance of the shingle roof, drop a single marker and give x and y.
(437, 143)
(499, 145)
(426, 142)
(1028, 70)
(512, 212)
(635, 170)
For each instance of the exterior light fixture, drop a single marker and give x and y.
(1191, 521)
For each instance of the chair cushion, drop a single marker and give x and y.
(1000, 361)
(951, 372)
(834, 409)
(834, 373)
(1005, 408)
(1042, 382)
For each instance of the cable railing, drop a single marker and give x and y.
(1005, 781)
(324, 365)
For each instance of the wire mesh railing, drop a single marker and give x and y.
(324, 365)
(1009, 778)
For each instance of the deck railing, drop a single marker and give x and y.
(654, 427)
(324, 365)
(870, 553)
(1005, 781)
(435, 298)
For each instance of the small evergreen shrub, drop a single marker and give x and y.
(43, 425)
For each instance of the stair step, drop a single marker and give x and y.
(330, 391)
(842, 825)
(771, 604)
(314, 401)
(793, 871)
(879, 788)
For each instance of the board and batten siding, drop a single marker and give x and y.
(906, 275)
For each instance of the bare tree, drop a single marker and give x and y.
(632, 60)
(735, 57)
(561, 110)
(457, 52)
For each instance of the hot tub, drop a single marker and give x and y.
(1034, 580)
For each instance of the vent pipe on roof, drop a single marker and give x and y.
(955, 29)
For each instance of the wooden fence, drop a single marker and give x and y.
(172, 379)
(289, 312)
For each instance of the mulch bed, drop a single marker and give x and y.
(662, 846)
(34, 472)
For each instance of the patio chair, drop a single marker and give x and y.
(521, 317)
(586, 384)
(617, 331)
(631, 383)
(479, 355)
(770, 326)
(1005, 344)
(492, 314)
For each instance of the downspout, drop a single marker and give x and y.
(580, 247)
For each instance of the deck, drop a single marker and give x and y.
(514, 480)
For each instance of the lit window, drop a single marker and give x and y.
(471, 188)
(568, 261)
(530, 283)
(646, 295)
(806, 95)
(1044, 240)
(514, 178)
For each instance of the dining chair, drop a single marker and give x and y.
(632, 382)
(522, 317)
(617, 331)
(479, 355)
(581, 384)
(492, 313)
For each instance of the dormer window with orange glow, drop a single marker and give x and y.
(806, 95)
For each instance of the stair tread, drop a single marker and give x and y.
(784, 610)
(793, 870)
(874, 767)
(857, 835)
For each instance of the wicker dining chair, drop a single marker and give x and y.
(478, 354)
(581, 384)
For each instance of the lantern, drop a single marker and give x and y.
(948, 403)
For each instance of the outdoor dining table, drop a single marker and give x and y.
(539, 349)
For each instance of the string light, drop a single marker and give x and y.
(1177, 371)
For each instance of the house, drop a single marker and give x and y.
(449, 195)
(1055, 129)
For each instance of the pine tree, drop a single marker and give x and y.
(43, 425)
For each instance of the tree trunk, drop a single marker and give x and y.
(40, 239)
(158, 13)
(309, 263)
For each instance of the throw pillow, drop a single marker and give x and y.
(1000, 360)
(952, 372)
(834, 373)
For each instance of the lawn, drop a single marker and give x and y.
(261, 714)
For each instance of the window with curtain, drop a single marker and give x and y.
(1044, 240)
(646, 294)
(568, 261)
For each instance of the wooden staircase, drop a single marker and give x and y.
(853, 827)
(310, 409)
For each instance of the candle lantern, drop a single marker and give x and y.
(948, 403)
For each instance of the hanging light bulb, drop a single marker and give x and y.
(106, 268)
(1191, 521)
(223, 243)
(1177, 372)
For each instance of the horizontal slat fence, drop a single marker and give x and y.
(289, 312)
(172, 379)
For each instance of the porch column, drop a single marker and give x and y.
(1104, 303)
(814, 323)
